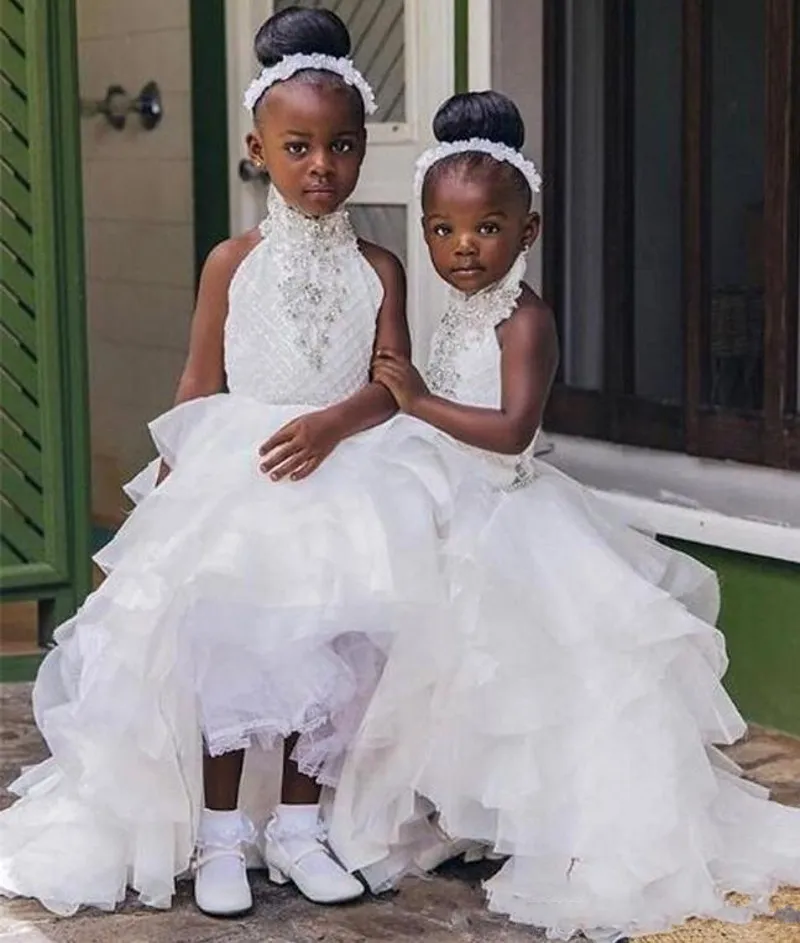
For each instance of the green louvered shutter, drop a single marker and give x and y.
(43, 422)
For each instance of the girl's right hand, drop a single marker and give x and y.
(301, 446)
(400, 377)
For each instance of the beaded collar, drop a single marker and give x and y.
(292, 225)
(466, 320)
(309, 254)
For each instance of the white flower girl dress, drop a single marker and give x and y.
(235, 610)
(565, 713)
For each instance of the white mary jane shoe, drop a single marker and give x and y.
(221, 888)
(303, 859)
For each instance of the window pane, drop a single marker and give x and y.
(657, 184)
(737, 143)
(377, 30)
(582, 339)
(797, 258)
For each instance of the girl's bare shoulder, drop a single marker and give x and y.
(533, 325)
(226, 257)
(386, 264)
(532, 314)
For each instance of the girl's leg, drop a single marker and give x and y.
(221, 887)
(221, 778)
(297, 789)
(293, 846)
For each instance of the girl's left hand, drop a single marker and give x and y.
(400, 377)
(300, 447)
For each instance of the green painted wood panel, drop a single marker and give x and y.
(18, 489)
(13, 109)
(12, 22)
(209, 128)
(18, 282)
(761, 621)
(12, 62)
(14, 193)
(19, 449)
(16, 320)
(20, 409)
(17, 360)
(15, 149)
(18, 533)
(13, 232)
(44, 481)
(8, 556)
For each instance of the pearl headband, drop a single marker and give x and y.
(290, 65)
(500, 152)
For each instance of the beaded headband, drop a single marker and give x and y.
(500, 152)
(289, 65)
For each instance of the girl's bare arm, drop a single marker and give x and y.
(204, 371)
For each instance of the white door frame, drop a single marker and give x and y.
(387, 176)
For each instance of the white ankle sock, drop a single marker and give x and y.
(221, 828)
(298, 818)
(296, 826)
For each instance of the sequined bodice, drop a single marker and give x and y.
(465, 359)
(302, 308)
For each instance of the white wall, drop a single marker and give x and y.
(139, 231)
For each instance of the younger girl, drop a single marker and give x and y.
(566, 711)
(248, 599)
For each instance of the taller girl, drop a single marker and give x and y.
(246, 603)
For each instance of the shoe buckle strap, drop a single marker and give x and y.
(204, 855)
(315, 849)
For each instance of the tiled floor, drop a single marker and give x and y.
(444, 909)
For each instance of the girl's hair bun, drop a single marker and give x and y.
(301, 30)
(488, 115)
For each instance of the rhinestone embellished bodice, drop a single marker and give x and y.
(465, 360)
(302, 308)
